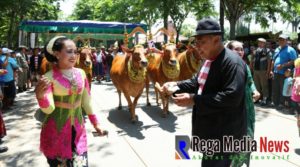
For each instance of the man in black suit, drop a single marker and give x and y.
(35, 65)
(216, 93)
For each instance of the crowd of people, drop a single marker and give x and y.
(274, 71)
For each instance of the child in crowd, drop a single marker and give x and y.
(287, 90)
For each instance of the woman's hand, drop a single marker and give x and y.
(99, 131)
(41, 87)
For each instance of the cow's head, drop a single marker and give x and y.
(85, 56)
(137, 55)
(170, 54)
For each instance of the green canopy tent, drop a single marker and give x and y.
(83, 30)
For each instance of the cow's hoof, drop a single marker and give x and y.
(148, 104)
(120, 108)
(134, 120)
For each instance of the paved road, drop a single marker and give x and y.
(150, 142)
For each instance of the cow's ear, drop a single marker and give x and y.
(126, 49)
(157, 51)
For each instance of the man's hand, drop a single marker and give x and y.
(184, 99)
(256, 95)
(279, 67)
(42, 87)
(271, 75)
(168, 87)
(20, 69)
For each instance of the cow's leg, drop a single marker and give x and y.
(164, 104)
(120, 102)
(135, 103)
(131, 108)
(147, 84)
(167, 104)
(157, 97)
(136, 99)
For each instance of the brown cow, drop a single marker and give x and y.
(84, 62)
(190, 63)
(45, 66)
(128, 73)
(163, 67)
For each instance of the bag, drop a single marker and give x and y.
(40, 116)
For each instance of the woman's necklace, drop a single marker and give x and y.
(69, 75)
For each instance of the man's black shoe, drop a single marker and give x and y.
(263, 103)
(3, 149)
(279, 107)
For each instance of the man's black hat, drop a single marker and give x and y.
(208, 26)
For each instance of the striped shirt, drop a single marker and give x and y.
(203, 75)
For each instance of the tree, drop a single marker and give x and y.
(260, 10)
(234, 9)
(105, 10)
(179, 10)
(14, 11)
(146, 11)
(294, 15)
(221, 18)
(187, 30)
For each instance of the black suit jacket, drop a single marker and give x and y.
(32, 67)
(220, 109)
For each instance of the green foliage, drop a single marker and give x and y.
(104, 10)
(187, 30)
(260, 10)
(14, 11)
(147, 11)
(179, 10)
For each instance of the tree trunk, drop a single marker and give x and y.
(166, 27)
(232, 28)
(10, 29)
(177, 36)
(222, 17)
(166, 14)
(294, 26)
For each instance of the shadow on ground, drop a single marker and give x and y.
(261, 114)
(155, 113)
(22, 158)
(297, 151)
(121, 119)
(22, 132)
